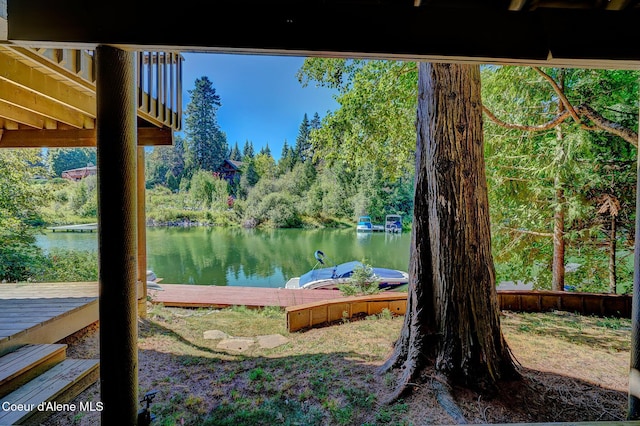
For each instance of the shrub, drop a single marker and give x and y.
(362, 282)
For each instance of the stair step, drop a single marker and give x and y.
(27, 362)
(60, 384)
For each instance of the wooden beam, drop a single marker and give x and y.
(69, 138)
(27, 77)
(32, 101)
(20, 115)
(83, 77)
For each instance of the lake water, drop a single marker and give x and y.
(249, 257)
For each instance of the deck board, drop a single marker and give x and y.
(44, 312)
(182, 295)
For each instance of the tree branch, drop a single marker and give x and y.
(600, 122)
(540, 127)
(608, 125)
(526, 231)
(560, 94)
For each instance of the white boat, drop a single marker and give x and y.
(364, 224)
(393, 223)
(332, 277)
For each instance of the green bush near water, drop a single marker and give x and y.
(62, 265)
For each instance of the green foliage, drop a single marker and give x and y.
(361, 282)
(20, 200)
(203, 190)
(69, 266)
(276, 209)
(303, 150)
(265, 166)
(375, 123)
(84, 197)
(165, 165)
(206, 143)
(527, 171)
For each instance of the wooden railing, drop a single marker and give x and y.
(160, 87)
(159, 76)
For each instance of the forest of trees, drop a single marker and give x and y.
(559, 150)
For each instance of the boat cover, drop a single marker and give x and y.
(345, 270)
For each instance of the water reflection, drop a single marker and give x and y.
(257, 258)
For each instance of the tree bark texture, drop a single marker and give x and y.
(452, 319)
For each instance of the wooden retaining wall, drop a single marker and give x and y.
(609, 305)
(308, 315)
(313, 314)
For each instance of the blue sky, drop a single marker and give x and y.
(262, 100)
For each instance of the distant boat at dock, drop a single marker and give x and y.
(365, 225)
(393, 223)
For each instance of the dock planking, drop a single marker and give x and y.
(34, 305)
(195, 296)
(82, 227)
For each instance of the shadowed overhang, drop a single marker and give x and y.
(569, 33)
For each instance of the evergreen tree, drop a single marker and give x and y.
(206, 143)
(165, 165)
(265, 150)
(249, 176)
(303, 144)
(235, 154)
(247, 150)
(287, 161)
(316, 123)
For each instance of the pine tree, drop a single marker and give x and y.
(206, 143)
(265, 150)
(287, 161)
(303, 145)
(235, 154)
(247, 150)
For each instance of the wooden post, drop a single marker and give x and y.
(117, 234)
(142, 237)
(633, 412)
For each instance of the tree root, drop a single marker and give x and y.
(447, 402)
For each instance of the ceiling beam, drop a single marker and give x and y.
(69, 138)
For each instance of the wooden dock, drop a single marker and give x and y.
(199, 296)
(82, 227)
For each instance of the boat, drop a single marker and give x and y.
(364, 224)
(330, 278)
(393, 223)
(152, 281)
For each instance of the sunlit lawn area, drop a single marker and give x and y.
(327, 376)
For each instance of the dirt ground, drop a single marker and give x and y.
(572, 370)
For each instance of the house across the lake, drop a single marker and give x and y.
(80, 173)
(231, 170)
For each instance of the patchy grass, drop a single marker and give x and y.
(575, 369)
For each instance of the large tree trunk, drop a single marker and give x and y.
(452, 320)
